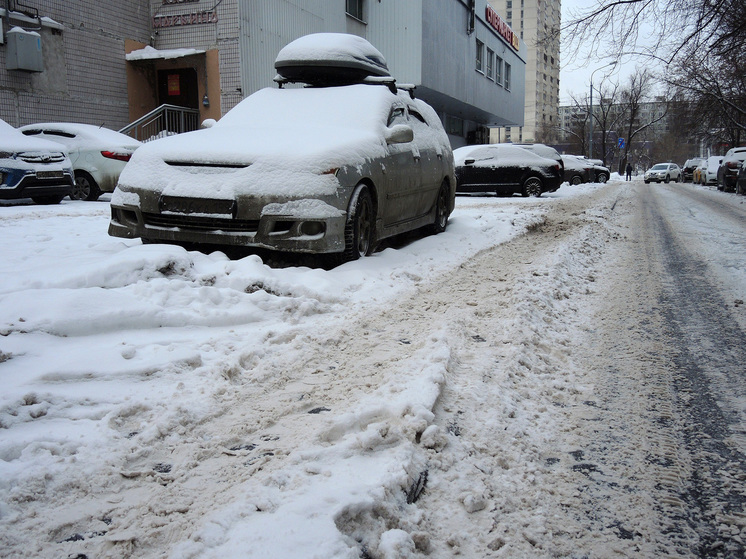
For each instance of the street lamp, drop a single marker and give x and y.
(590, 140)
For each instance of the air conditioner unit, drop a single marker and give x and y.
(24, 51)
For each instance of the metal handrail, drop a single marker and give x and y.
(163, 121)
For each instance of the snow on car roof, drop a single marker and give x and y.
(87, 132)
(331, 49)
(288, 125)
(505, 152)
(13, 141)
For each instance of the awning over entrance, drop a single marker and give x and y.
(149, 53)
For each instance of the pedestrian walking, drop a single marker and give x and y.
(629, 171)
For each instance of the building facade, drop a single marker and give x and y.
(537, 22)
(120, 61)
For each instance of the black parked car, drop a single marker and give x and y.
(505, 169)
(729, 168)
(687, 171)
(741, 181)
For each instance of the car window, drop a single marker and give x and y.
(397, 116)
(416, 114)
(31, 132)
(59, 133)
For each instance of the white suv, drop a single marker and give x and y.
(663, 172)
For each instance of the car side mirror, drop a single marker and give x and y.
(469, 161)
(399, 134)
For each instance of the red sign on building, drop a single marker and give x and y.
(499, 25)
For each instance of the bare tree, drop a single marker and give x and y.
(659, 29)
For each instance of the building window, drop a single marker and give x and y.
(490, 64)
(499, 70)
(354, 8)
(480, 56)
(507, 76)
(454, 125)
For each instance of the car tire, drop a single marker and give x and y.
(359, 228)
(52, 199)
(647, 182)
(85, 188)
(667, 179)
(532, 186)
(441, 210)
(576, 180)
(602, 178)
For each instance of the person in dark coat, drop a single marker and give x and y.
(629, 171)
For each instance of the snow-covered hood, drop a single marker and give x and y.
(276, 140)
(12, 141)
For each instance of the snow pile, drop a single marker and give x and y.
(155, 398)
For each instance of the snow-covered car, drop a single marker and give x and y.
(577, 170)
(601, 173)
(548, 152)
(505, 169)
(729, 168)
(741, 180)
(708, 173)
(663, 172)
(687, 171)
(98, 154)
(32, 168)
(324, 169)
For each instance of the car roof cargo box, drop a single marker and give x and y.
(329, 59)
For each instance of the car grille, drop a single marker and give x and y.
(201, 223)
(42, 157)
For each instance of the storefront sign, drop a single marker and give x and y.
(501, 27)
(194, 18)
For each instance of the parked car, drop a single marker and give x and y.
(687, 171)
(663, 172)
(324, 170)
(32, 168)
(98, 154)
(697, 173)
(548, 152)
(729, 168)
(709, 172)
(577, 170)
(602, 173)
(505, 169)
(741, 180)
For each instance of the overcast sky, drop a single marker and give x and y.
(575, 75)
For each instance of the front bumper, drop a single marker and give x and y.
(23, 184)
(307, 233)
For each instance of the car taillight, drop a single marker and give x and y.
(733, 164)
(117, 156)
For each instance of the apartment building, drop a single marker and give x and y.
(537, 23)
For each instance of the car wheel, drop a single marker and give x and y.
(47, 199)
(532, 187)
(602, 178)
(667, 179)
(359, 228)
(85, 188)
(576, 180)
(441, 210)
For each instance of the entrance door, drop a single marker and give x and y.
(178, 87)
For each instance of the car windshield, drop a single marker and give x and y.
(659, 167)
(355, 106)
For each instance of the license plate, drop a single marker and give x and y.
(207, 206)
(49, 174)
